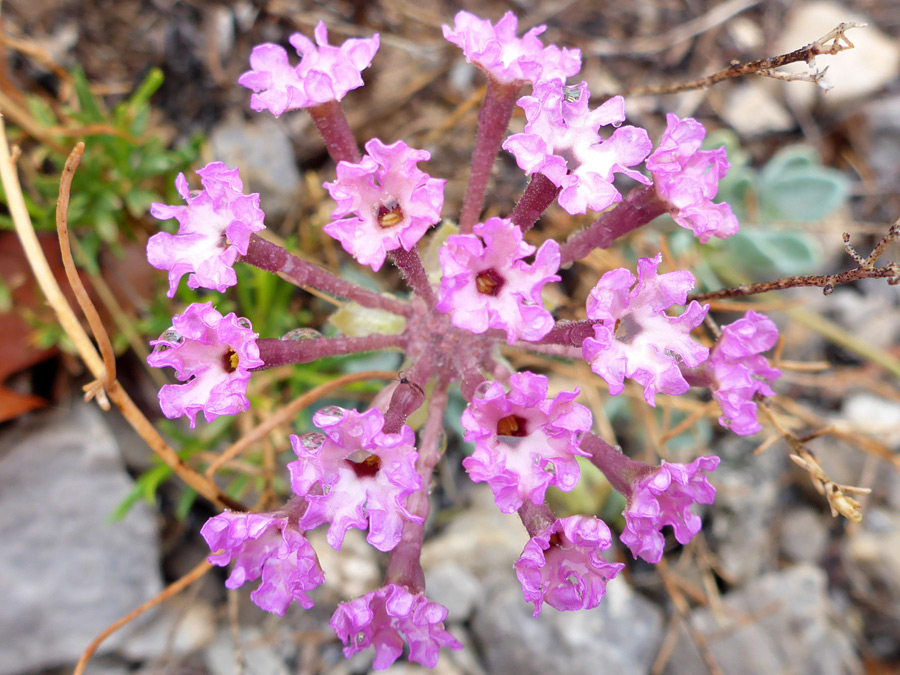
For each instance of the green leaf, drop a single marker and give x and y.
(41, 111)
(6, 303)
(758, 254)
(125, 505)
(185, 502)
(91, 110)
(146, 89)
(138, 201)
(794, 186)
(140, 120)
(354, 320)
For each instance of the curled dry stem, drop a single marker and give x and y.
(73, 328)
(90, 312)
(838, 495)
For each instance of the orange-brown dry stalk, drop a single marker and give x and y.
(171, 590)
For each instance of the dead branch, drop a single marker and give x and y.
(827, 282)
(832, 43)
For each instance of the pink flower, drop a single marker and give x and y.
(634, 337)
(506, 58)
(562, 565)
(524, 442)
(391, 203)
(688, 178)
(387, 618)
(487, 284)
(562, 141)
(664, 497)
(740, 372)
(354, 475)
(213, 229)
(214, 355)
(265, 545)
(324, 74)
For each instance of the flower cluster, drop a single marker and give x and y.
(265, 545)
(383, 618)
(213, 229)
(562, 565)
(486, 282)
(633, 335)
(740, 372)
(664, 497)
(506, 58)
(687, 178)
(384, 202)
(213, 354)
(524, 442)
(372, 469)
(324, 74)
(355, 475)
(562, 142)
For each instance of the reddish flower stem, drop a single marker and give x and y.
(409, 395)
(277, 260)
(536, 518)
(620, 471)
(569, 333)
(410, 265)
(640, 207)
(539, 194)
(277, 352)
(331, 122)
(404, 567)
(493, 121)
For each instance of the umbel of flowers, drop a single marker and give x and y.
(368, 469)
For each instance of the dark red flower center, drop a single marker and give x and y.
(366, 468)
(389, 214)
(489, 282)
(512, 425)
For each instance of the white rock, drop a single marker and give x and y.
(66, 572)
(875, 416)
(751, 109)
(262, 150)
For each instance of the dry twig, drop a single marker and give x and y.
(838, 495)
(832, 43)
(827, 282)
(171, 590)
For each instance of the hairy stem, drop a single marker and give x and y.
(619, 470)
(569, 333)
(277, 260)
(277, 352)
(409, 394)
(640, 207)
(404, 567)
(331, 122)
(536, 518)
(539, 194)
(410, 265)
(492, 123)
